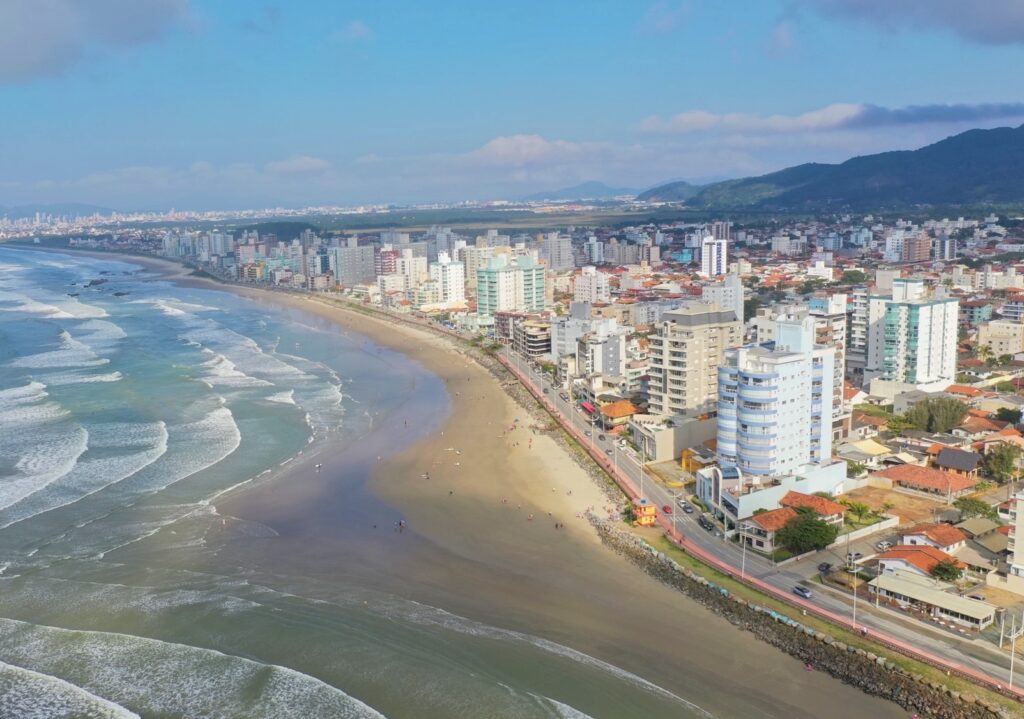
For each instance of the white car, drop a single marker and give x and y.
(883, 546)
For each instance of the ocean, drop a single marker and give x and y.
(127, 406)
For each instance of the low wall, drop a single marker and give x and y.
(869, 672)
(890, 523)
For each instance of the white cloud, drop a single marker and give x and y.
(995, 22)
(298, 165)
(44, 38)
(837, 116)
(531, 151)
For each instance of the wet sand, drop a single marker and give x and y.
(469, 544)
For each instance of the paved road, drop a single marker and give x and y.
(975, 654)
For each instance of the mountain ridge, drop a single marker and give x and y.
(973, 167)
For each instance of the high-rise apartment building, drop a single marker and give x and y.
(713, 260)
(727, 294)
(509, 283)
(450, 280)
(911, 340)
(685, 355)
(917, 249)
(557, 252)
(775, 403)
(352, 264)
(473, 258)
(591, 286)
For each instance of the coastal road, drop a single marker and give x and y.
(978, 655)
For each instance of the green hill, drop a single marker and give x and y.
(976, 167)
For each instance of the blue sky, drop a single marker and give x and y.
(151, 104)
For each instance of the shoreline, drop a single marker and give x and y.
(498, 544)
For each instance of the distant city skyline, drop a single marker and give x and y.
(203, 105)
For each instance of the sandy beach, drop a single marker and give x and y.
(479, 536)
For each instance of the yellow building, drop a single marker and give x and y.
(645, 512)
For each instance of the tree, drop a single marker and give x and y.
(984, 352)
(970, 507)
(805, 533)
(854, 277)
(947, 571)
(855, 469)
(750, 308)
(1005, 414)
(1005, 360)
(936, 414)
(1001, 461)
(858, 509)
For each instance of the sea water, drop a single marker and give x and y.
(126, 406)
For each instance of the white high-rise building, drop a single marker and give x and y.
(911, 340)
(510, 284)
(558, 252)
(450, 278)
(728, 295)
(595, 250)
(775, 403)
(713, 260)
(591, 286)
(413, 268)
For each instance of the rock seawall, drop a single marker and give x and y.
(869, 672)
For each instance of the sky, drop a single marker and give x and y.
(216, 104)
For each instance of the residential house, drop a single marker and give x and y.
(827, 510)
(618, 413)
(926, 479)
(920, 560)
(866, 426)
(759, 530)
(909, 589)
(958, 461)
(941, 536)
(974, 427)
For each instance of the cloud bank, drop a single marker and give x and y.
(990, 22)
(838, 116)
(44, 38)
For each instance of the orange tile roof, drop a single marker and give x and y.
(975, 425)
(864, 418)
(1005, 529)
(943, 534)
(912, 475)
(622, 408)
(964, 390)
(820, 505)
(922, 556)
(774, 519)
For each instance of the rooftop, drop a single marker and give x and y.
(922, 556)
(773, 520)
(943, 534)
(931, 592)
(927, 478)
(820, 505)
(958, 459)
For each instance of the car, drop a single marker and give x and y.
(802, 591)
(883, 546)
(601, 437)
(609, 451)
(706, 524)
(688, 508)
(824, 567)
(976, 597)
(545, 390)
(588, 433)
(667, 509)
(853, 556)
(564, 397)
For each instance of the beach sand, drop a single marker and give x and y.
(473, 549)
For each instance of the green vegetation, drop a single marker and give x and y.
(1005, 414)
(935, 414)
(875, 410)
(857, 509)
(854, 277)
(947, 571)
(805, 533)
(750, 308)
(971, 507)
(855, 469)
(1001, 461)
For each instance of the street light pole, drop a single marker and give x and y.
(1013, 647)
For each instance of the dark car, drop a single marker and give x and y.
(824, 567)
(601, 437)
(706, 523)
(545, 390)
(688, 508)
(802, 592)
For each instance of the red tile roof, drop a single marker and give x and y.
(911, 475)
(820, 505)
(775, 519)
(943, 534)
(924, 557)
(974, 425)
(964, 390)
